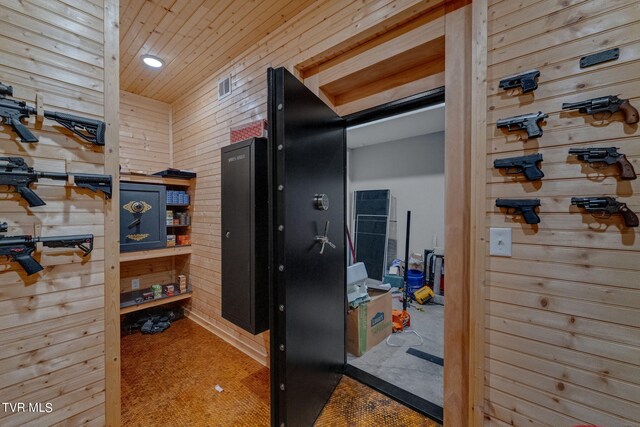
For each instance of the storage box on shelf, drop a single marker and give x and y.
(167, 266)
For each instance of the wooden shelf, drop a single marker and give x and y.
(152, 179)
(154, 303)
(178, 225)
(177, 205)
(155, 253)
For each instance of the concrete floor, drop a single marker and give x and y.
(411, 373)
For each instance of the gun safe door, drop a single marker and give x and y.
(308, 254)
(143, 209)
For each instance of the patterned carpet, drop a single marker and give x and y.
(169, 379)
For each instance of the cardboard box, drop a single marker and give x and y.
(370, 323)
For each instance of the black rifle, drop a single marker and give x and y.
(606, 156)
(605, 104)
(17, 174)
(604, 207)
(12, 112)
(522, 164)
(528, 122)
(20, 248)
(526, 80)
(523, 206)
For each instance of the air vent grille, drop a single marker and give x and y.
(224, 87)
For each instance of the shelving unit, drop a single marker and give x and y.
(146, 266)
(155, 253)
(131, 306)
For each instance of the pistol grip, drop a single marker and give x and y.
(532, 173)
(630, 218)
(30, 265)
(626, 168)
(32, 198)
(530, 216)
(533, 129)
(22, 131)
(630, 113)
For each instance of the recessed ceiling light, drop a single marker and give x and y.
(152, 61)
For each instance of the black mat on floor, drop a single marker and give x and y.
(426, 356)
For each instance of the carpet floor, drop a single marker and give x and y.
(169, 379)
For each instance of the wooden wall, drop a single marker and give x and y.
(145, 133)
(201, 126)
(561, 318)
(52, 324)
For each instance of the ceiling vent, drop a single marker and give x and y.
(224, 87)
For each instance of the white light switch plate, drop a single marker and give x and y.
(135, 284)
(500, 241)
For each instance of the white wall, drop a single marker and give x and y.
(413, 169)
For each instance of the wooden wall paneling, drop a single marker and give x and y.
(111, 303)
(149, 272)
(145, 133)
(561, 335)
(53, 323)
(458, 187)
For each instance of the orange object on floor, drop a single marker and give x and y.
(401, 319)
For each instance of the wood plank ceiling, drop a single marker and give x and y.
(195, 38)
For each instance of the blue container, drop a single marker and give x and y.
(414, 281)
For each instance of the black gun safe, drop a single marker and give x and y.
(245, 291)
(143, 209)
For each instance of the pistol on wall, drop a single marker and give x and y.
(602, 157)
(604, 207)
(527, 165)
(527, 122)
(606, 105)
(526, 81)
(525, 207)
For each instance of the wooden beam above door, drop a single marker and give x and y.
(402, 60)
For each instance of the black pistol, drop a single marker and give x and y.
(528, 165)
(605, 104)
(604, 207)
(525, 207)
(526, 81)
(13, 112)
(528, 122)
(606, 156)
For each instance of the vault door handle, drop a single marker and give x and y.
(324, 239)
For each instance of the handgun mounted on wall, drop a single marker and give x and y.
(604, 207)
(527, 122)
(13, 112)
(605, 156)
(526, 81)
(21, 248)
(527, 165)
(526, 207)
(16, 173)
(606, 105)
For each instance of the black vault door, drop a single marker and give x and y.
(308, 302)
